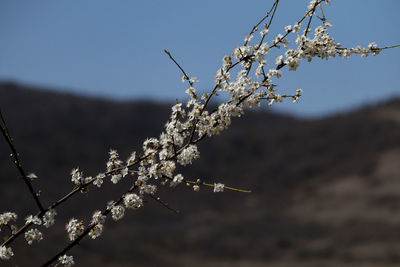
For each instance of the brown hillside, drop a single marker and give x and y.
(326, 192)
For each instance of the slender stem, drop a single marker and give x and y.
(198, 182)
(379, 48)
(311, 16)
(179, 66)
(322, 13)
(274, 7)
(387, 47)
(17, 162)
(165, 204)
(264, 18)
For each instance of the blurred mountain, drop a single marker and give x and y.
(326, 192)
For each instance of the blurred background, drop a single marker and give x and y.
(115, 50)
(77, 77)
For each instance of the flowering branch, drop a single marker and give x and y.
(189, 124)
(95, 223)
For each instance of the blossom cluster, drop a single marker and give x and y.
(118, 212)
(33, 235)
(246, 78)
(66, 260)
(6, 218)
(5, 253)
(74, 228)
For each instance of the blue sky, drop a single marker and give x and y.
(115, 48)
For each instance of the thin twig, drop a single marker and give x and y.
(165, 204)
(198, 182)
(179, 66)
(379, 48)
(17, 162)
(254, 29)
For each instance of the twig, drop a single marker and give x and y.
(165, 204)
(379, 48)
(254, 29)
(177, 64)
(17, 162)
(198, 182)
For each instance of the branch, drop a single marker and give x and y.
(177, 64)
(165, 204)
(17, 162)
(87, 230)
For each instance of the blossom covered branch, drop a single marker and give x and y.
(245, 79)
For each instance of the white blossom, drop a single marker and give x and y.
(261, 52)
(274, 72)
(132, 158)
(48, 218)
(98, 217)
(5, 253)
(96, 231)
(278, 38)
(74, 228)
(372, 45)
(147, 189)
(33, 235)
(113, 161)
(226, 62)
(177, 180)
(279, 59)
(312, 4)
(248, 38)
(99, 179)
(193, 79)
(242, 52)
(218, 187)
(271, 101)
(76, 176)
(124, 172)
(191, 91)
(296, 27)
(292, 62)
(264, 32)
(6, 217)
(150, 146)
(32, 176)
(155, 171)
(66, 260)
(188, 155)
(132, 201)
(115, 178)
(167, 167)
(88, 179)
(117, 212)
(33, 219)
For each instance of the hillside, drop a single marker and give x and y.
(326, 192)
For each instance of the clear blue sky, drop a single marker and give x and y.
(115, 48)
